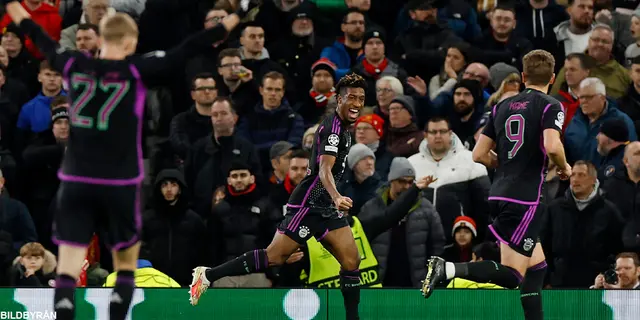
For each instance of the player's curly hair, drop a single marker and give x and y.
(350, 80)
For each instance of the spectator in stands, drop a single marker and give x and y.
(595, 109)
(206, 60)
(573, 35)
(577, 67)
(346, 52)
(237, 81)
(402, 251)
(18, 228)
(633, 50)
(13, 95)
(41, 162)
(35, 116)
(298, 48)
(174, 234)
(582, 231)
(210, 158)
(241, 222)
(606, 68)
(488, 250)
(280, 156)
(43, 14)
(22, 65)
(630, 102)
(369, 131)
(507, 82)
(468, 107)
(86, 39)
(314, 106)
(256, 58)
(93, 12)
(462, 187)
(35, 267)
(461, 18)
(362, 181)
(464, 235)
(536, 20)
(499, 43)
(621, 190)
(307, 139)
(190, 126)
(272, 120)
(455, 62)
(279, 194)
(619, 22)
(612, 140)
(363, 6)
(404, 136)
(421, 44)
(628, 271)
(387, 88)
(376, 64)
(443, 103)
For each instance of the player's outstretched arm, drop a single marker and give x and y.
(483, 152)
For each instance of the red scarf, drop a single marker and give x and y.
(288, 185)
(321, 99)
(373, 70)
(235, 193)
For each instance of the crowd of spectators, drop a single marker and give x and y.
(228, 132)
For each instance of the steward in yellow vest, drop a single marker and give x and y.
(146, 277)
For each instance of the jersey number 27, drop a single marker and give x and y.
(87, 86)
(514, 130)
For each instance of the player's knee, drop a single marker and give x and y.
(276, 257)
(351, 263)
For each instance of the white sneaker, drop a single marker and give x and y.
(199, 284)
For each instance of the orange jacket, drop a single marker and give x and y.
(47, 16)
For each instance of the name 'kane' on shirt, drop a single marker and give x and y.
(517, 125)
(332, 138)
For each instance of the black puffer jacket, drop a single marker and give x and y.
(425, 236)
(173, 234)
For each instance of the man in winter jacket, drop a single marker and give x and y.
(462, 187)
(576, 68)
(582, 231)
(45, 15)
(362, 181)
(174, 234)
(402, 252)
(210, 158)
(244, 220)
(369, 131)
(346, 52)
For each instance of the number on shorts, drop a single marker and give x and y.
(87, 87)
(514, 130)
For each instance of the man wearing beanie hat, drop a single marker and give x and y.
(464, 233)
(375, 64)
(315, 104)
(60, 123)
(500, 43)
(467, 108)
(403, 250)
(498, 72)
(612, 140)
(361, 180)
(404, 136)
(370, 132)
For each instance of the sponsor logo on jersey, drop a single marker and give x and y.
(331, 149)
(560, 120)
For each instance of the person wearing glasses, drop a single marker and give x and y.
(347, 52)
(462, 187)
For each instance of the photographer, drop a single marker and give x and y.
(626, 274)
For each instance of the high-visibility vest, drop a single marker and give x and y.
(324, 270)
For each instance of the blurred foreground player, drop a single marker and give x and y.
(523, 130)
(102, 170)
(314, 209)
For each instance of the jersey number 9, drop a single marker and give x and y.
(514, 130)
(87, 86)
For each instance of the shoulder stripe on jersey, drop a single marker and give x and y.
(494, 109)
(336, 125)
(545, 109)
(319, 143)
(67, 66)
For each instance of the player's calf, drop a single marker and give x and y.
(531, 291)
(350, 287)
(125, 262)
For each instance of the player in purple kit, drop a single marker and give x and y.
(314, 209)
(523, 130)
(102, 170)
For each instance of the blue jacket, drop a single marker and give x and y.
(460, 18)
(337, 53)
(35, 115)
(580, 137)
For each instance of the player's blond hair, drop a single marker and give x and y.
(537, 67)
(116, 28)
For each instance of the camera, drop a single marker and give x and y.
(611, 277)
